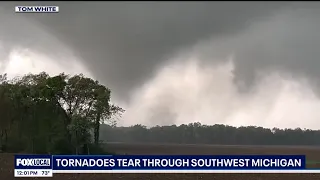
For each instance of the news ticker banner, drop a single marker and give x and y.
(46, 165)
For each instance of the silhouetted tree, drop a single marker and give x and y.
(59, 114)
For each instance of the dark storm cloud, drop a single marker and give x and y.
(122, 43)
(288, 41)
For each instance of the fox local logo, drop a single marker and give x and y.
(32, 162)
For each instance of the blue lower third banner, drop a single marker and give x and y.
(46, 165)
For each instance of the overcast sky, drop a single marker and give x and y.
(236, 63)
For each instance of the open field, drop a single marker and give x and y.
(312, 153)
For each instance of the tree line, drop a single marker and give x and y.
(53, 114)
(196, 133)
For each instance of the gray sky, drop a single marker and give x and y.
(238, 63)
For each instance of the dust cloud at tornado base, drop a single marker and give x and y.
(264, 75)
